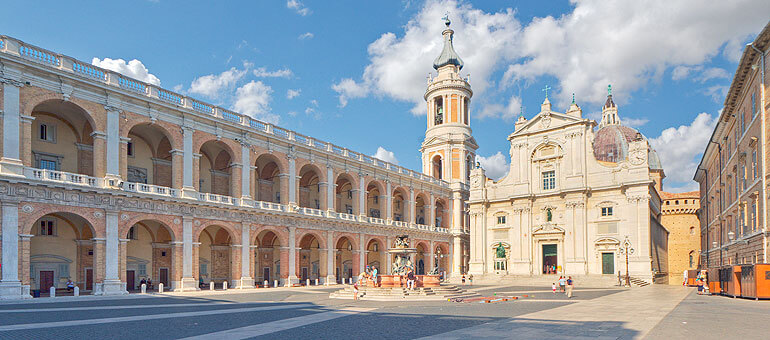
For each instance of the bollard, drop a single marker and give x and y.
(76, 291)
(266, 285)
(351, 280)
(316, 282)
(275, 284)
(52, 291)
(160, 287)
(144, 288)
(211, 285)
(307, 282)
(224, 285)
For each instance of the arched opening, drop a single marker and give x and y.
(420, 210)
(420, 259)
(438, 105)
(441, 258)
(309, 187)
(61, 250)
(466, 110)
(61, 138)
(215, 168)
(309, 258)
(436, 166)
(148, 255)
(375, 257)
(344, 193)
(440, 218)
(373, 200)
(148, 156)
(214, 260)
(268, 257)
(268, 179)
(399, 205)
(344, 259)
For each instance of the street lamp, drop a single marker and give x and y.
(626, 249)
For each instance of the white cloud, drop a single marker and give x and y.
(496, 166)
(253, 99)
(298, 7)
(306, 35)
(348, 88)
(212, 85)
(717, 92)
(633, 122)
(134, 69)
(629, 43)
(385, 155)
(508, 112)
(262, 72)
(734, 48)
(312, 110)
(680, 149)
(680, 72)
(712, 73)
(398, 65)
(699, 73)
(291, 94)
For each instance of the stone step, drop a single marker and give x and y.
(400, 293)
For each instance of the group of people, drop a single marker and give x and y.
(370, 273)
(147, 282)
(565, 285)
(470, 279)
(550, 269)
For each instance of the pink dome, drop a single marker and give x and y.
(611, 143)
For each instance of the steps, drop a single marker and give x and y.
(597, 281)
(638, 282)
(440, 293)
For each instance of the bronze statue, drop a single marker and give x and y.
(500, 251)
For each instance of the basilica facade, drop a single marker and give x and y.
(577, 198)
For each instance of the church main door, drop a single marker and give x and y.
(608, 263)
(550, 259)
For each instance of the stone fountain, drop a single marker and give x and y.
(403, 262)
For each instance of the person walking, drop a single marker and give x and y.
(374, 275)
(562, 283)
(553, 287)
(570, 286)
(355, 291)
(410, 278)
(463, 278)
(470, 279)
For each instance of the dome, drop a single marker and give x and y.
(611, 143)
(448, 55)
(654, 160)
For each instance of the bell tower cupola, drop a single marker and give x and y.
(449, 150)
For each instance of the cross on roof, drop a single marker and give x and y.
(609, 89)
(546, 88)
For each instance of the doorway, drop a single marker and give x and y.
(266, 273)
(608, 263)
(130, 280)
(163, 276)
(89, 279)
(304, 274)
(550, 259)
(46, 280)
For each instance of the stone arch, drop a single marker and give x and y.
(309, 189)
(269, 178)
(375, 191)
(309, 258)
(442, 208)
(350, 237)
(376, 253)
(346, 193)
(235, 233)
(172, 131)
(421, 203)
(400, 198)
(215, 168)
(61, 139)
(128, 219)
(437, 166)
(314, 233)
(31, 103)
(95, 217)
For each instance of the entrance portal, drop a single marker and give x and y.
(550, 259)
(608, 263)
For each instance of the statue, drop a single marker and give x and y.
(548, 215)
(500, 251)
(402, 241)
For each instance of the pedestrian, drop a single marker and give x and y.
(374, 275)
(70, 285)
(470, 279)
(410, 278)
(463, 278)
(570, 286)
(553, 287)
(142, 282)
(355, 291)
(149, 283)
(562, 283)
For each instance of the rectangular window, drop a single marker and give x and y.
(47, 133)
(142, 269)
(737, 225)
(606, 211)
(204, 269)
(754, 164)
(130, 149)
(47, 228)
(549, 180)
(743, 176)
(754, 103)
(753, 214)
(500, 219)
(743, 122)
(743, 226)
(47, 164)
(349, 209)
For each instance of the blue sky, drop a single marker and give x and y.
(353, 72)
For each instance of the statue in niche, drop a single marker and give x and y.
(548, 215)
(500, 251)
(440, 115)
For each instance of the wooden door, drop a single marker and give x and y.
(130, 280)
(163, 274)
(46, 280)
(266, 274)
(304, 274)
(89, 279)
(608, 263)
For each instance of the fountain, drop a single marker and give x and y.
(403, 262)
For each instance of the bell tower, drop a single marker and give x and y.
(449, 150)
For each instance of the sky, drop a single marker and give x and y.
(353, 72)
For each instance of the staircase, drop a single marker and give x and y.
(638, 282)
(440, 293)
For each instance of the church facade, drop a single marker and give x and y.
(576, 199)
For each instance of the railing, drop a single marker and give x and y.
(311, 212)
(270, 206)
(208, 197)
(401, 224)
(12, 46)
(346, 217)
(376, 220)
(422, 227)
(151, 189)
(63, 177)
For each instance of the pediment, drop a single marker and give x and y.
(546, 121)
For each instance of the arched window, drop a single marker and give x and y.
(436, 163)
(439, 111)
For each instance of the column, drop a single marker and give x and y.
(457, 212)
(11, 160)
(113, 143)
(361, 253)
(112, 283)
(432, 255)
(330, 269)
(389, 200)
(330, 189)
(26, 140)
(177, 164)
(292, 267)
(292, 179)
(10, 286)
(432, 213)
(100, 145)
(362, 195)
(389, 260)
(246, 280)
(457, 256)
(188, 186)
(236, 171)
(412, 207)
(245, 174)
(176, 266)
(188, 281)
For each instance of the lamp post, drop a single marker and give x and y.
(626, 249)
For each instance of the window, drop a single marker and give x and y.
(743, 176)
(754, 103)
(743, 122)
(47, 164)
(549, 180)
(439, 103)
(348, 209)
(350, 194)
(737, 225)
(692, 230)
(606, 211)
(753, 215)
(754, 164)
(130, 149)
(142, 269)
(500, 219)
(47, 133)
(132, 233)
(692, 258)
(204, 269)
(376, 199)
(47, 228)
